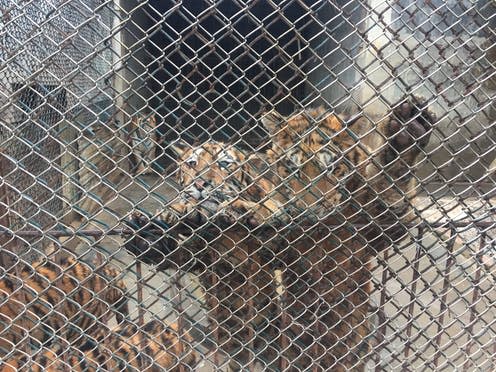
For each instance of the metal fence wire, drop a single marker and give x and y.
(248, 185)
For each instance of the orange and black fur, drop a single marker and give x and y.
(144, 141)
(45, 301)
(353, 187)
(216, 175)
(353, 181)
(110, 155)
(153, 347)
(217, 178)
(59, 357)
(105, 166)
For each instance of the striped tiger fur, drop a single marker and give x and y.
(153, 347)
(144, 141)
(325, 269)
(105, 168)
(110, 156)
(47, 300)
(215, 175)
(353, 184)
(212, 175)
(57, 358)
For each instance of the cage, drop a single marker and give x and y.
(188, 154)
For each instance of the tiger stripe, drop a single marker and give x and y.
(47, 299)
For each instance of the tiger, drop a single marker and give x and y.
(213, 175)
(144, 141)
(324, 163)
(217, 174)
(105, 166)
(44, 301)
(320, 166)
(110, 154)
(347, 183)
(152, 347)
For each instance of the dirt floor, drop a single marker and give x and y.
(434, 312)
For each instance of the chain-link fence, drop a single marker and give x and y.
(248, 185)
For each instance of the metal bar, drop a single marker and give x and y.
(141, 312)
(281, 300)
(443, 307)
(475, 298)
(5, 257)
(316, 278)
(382, 318)
(413, 291)
(251, 308)
(139, 285)
(125, 231)
(177, 304)
(213, 304)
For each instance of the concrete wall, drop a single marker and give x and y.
(442, 54)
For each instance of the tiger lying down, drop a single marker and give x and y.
(151, 347)
(46, 301)
(316, 166)
(54, 317)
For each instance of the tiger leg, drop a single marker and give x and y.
(407, 132)
(256, 213)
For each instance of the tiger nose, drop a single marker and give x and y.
(201, 184)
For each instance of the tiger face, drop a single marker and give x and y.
(313, 153)
(325, 163)
(210, 171)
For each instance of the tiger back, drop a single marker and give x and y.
(47, 300)
(153, 347)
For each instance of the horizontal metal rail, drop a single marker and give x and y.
(126, 231)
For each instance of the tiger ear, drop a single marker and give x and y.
(179, 148)
(272, 121)
(152, 120)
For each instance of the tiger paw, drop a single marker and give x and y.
(168, 216)
(252, 213)
(410, 125)
(149, 242)
(186, 213)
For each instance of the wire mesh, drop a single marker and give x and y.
(262, 185)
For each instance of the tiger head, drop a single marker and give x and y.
(313, 153)
(212, 170)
